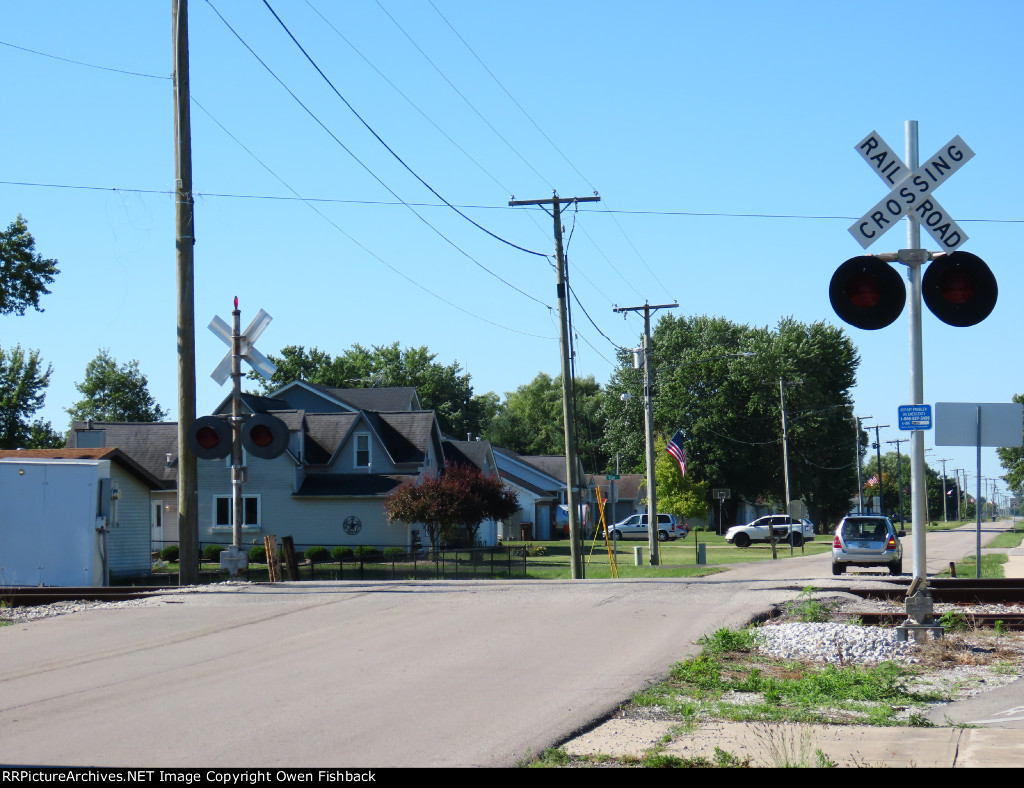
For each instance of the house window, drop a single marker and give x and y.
(222, 512)
(363, 450)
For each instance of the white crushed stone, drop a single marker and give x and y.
(830, 642)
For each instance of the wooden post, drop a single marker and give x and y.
(289, 556)
(273, 559)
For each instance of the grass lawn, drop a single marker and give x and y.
(677, 559)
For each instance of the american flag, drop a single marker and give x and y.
(675, 448)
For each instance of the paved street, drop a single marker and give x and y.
(361, 674)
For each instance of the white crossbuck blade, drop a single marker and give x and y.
(910, 195)
(256, 360)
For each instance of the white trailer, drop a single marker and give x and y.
(54, 518)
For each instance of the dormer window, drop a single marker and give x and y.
(363, 450)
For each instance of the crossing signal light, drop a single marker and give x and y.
(867, 292)
(959, 288)
(265, 436)
(209, 438)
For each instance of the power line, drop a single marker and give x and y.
(387, 147)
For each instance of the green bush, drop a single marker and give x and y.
(212, 552)
(394, 552)
(257, 554)
(365, 551)
(170, 553)
(316, 555)
(341, 553)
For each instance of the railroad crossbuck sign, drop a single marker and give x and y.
(256, 360)
(911, 192)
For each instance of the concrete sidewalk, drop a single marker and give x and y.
(785, 744)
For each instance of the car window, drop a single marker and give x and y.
(868, 530)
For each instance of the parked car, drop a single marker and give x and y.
(867, 540)
(760, 531)
(635, 527)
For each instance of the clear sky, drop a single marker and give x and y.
(720, 137)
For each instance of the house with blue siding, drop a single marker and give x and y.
(348, 450)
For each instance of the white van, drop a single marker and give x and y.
(635, 527)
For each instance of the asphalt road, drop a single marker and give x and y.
(352, 674)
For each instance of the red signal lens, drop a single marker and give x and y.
(957, 286)
(261, 435)
(207, 437)
(863, 290)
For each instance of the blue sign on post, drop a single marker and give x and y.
(915, 417)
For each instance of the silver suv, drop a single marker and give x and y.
(635, 527)
(867, 540)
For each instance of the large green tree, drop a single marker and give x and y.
(23, 382)
(115, 392)
(24, 273)
(445, 389)
(529, 420)
(719, 383)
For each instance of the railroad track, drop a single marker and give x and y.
(965, 592)
(21, 596)
(958, 590)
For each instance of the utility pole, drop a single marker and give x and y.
(188, 523)
(899, 472)
(860, 483)
(568, 415)
(878, 454)
(652, 493)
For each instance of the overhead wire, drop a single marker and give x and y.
(369, 171)
(296, 195)
(358, 243)
(387, 147)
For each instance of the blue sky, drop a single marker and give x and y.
(720, 137)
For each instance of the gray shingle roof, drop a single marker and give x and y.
(147, 443)
(396, 398)
(109, 453)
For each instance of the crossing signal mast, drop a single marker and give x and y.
(958, 287)
(261, 434)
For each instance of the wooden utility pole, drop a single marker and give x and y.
(572, 483)
(188, 523)
(652, 490)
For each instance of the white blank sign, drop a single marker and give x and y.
(956, 424)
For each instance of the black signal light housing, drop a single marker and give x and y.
(867, 292)
(959, 288)
(209, 438)
(265, 436)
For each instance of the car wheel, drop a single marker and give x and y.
(662, 536)
(741, 540)
(798, 539)
(896, 568)
(838, 569)
(616, 536)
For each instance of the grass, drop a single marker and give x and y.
(677, 559)
(991, 566)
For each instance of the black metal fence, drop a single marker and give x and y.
(368, 563)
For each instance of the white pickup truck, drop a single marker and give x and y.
(760, 529)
